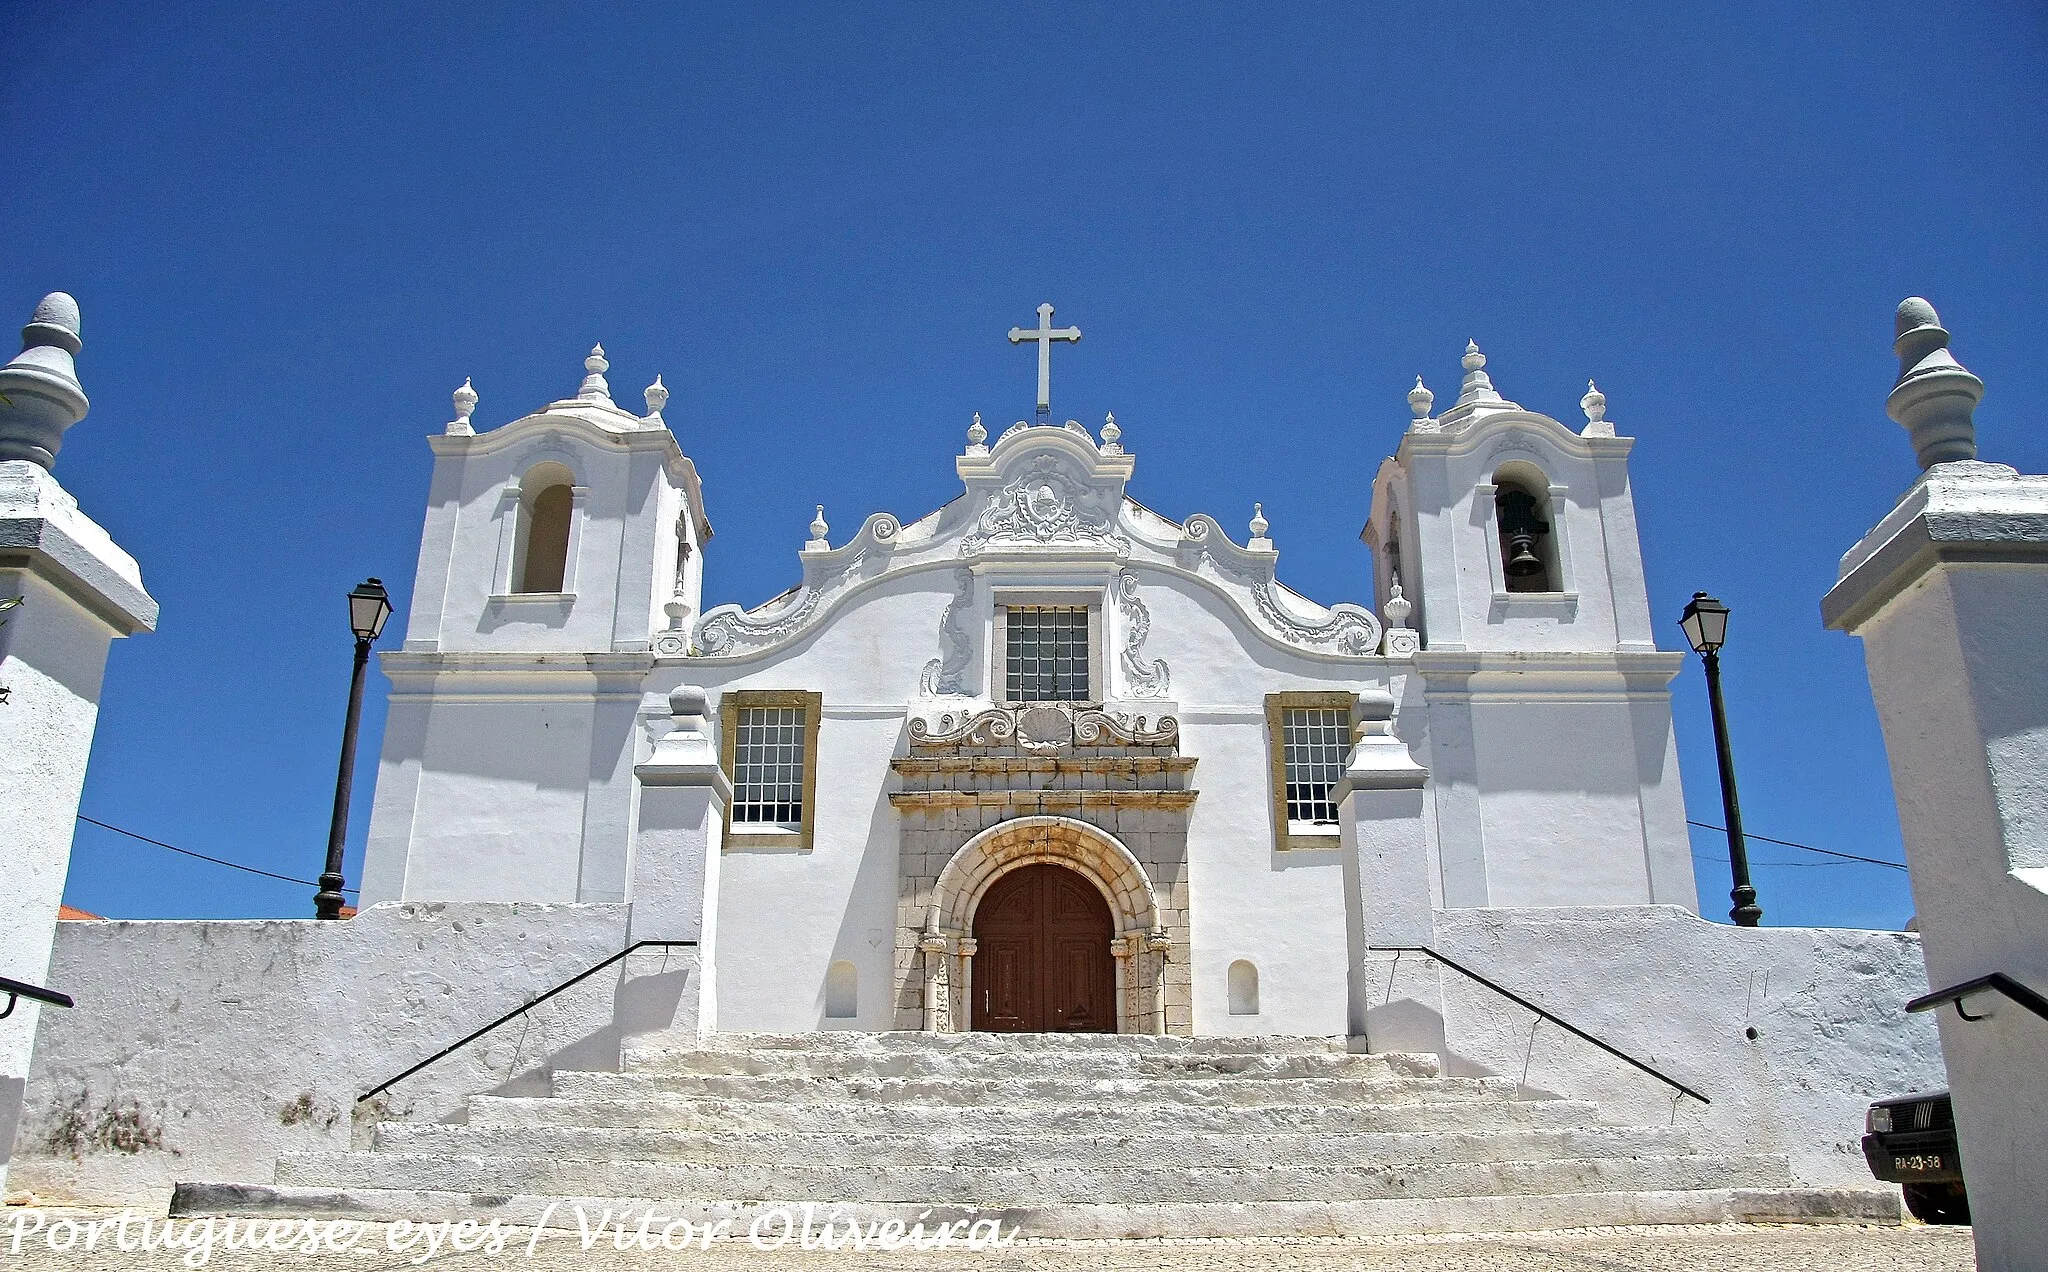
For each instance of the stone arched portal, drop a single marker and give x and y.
(1140, 944)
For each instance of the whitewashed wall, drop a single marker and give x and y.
(1681, 994)
(204, 1050)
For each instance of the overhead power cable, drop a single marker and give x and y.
(187, 852)
(1825, 852)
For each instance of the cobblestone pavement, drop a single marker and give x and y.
(1726, 1248)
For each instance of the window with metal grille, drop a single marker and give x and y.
(768, 767)
(1316, 739)
(1046, 654)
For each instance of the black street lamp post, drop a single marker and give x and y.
(1706, 628)
(368, 607)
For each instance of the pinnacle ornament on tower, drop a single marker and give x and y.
(657, 398)
(594, 388)
(1477, 386)
(40, 395)
(465, 406)
(1594, 404)
(977, 437)
(1110, 434)
(1935, 399)
(1420, 399)
(818, 542)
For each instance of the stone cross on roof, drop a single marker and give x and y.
(1044, 335)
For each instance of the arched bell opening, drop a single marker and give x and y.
(1528, 546)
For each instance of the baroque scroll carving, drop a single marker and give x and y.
(945, 676)
(1147, 680)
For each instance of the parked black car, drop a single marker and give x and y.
(1912, 1143)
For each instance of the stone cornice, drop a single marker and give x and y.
(494, 673)
(43, 532)
(1963, 512)
(1484, 426)
(1553, 676)
(1018, 803)
(602, 425)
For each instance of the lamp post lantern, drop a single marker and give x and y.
(1706, 628)
(368, 607)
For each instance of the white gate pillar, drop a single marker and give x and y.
(1396, 998)
(670, 994)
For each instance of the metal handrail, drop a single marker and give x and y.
(1997, 981)
(18, 990)
(527, 1006)
(1552, 1017)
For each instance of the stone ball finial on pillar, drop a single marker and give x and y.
(40, 395)
(1935, 398)
(689, 704)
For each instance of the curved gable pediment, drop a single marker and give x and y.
(1051, 499)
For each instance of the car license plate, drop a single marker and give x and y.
(1928, 1162)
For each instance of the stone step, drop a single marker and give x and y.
(1030, 1044)
(678, 1112)
(873, 1062)
(1203, 1092)
(721, 1147)
(1028, 1186)
(1386, 1217)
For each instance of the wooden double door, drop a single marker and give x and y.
(1042, 961)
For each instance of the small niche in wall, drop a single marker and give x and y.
(1243, 983)
(842, 991)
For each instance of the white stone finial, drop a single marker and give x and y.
(1420, 399)
(40, 395)
(686, 751)
(689, 704)
(1594, 404)
(677, 608)
(1401, 640)
(1935, 398)
(1477, 386)
(1259, 526)
(657, 398)
(1111, 434)
(976, 434)
(819, 530)
(594, 388)
(465, 406)
(1398, 606)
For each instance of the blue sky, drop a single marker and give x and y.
(293, 233)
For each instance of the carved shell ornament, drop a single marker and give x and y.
(1045, 504)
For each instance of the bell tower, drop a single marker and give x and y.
(1513, 539)
(561, 552)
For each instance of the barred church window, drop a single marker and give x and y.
(768, 767)
(769, 745)
(1310, 740)
(1046, 653)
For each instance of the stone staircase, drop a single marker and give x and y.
(1060, 1135)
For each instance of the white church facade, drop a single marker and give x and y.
(1017, 834)
(1042, 759)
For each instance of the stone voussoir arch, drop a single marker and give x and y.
(1091, 851)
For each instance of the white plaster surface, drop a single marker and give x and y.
(1950, 594)
(1679, 993)
(77, 593)
(207, 1049)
